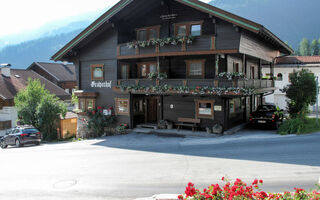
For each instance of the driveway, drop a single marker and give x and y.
(138, 165)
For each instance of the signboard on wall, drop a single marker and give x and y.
(217, 108)
(106, 84)
(107, 112)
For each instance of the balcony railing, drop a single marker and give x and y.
(222, 83)
(200, 45)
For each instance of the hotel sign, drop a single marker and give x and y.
(106, 84)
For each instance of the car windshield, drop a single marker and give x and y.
(266, 108)
(30, 130)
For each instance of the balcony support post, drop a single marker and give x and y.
(158, 64)
(260, 69)
(244, 64)
(217, 65)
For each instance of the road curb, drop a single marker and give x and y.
(161, 197)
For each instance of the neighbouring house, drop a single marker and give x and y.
(156, 60)
(284, 66)
(11, 82)
(61, 74)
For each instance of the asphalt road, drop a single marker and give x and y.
(137, 165)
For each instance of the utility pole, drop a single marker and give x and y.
(317, 108)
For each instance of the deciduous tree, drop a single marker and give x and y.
(304, 48)
(301, 93)
(37, 107)
(314, 48)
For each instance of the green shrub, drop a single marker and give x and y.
(292, 126)
(122, 128)
(98, 121)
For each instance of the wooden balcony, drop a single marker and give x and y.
(257, 86)
(203, 45)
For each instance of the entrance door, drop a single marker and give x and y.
(152, 109)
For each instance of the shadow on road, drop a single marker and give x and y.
(250, 144)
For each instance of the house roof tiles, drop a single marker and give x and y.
(59, 71)
(298, 60)
(10, 86)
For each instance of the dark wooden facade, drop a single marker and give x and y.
(222, 43)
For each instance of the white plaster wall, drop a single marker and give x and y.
(8, 113)
(279, 97)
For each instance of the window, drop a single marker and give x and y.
(148, 33)
(82, 104)
(252, 73)
(189, 28)
(153, 34)
(145, 68)
(142, 35)
(122, 106)
(90, 104)
(97, 72)
(232, 106)
(181, 30)
(195, 68)
(86, 104)
(235, 67)
(124, 71)
(196, 30)
(204, 109)
(279, 77)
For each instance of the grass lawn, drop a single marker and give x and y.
(298, 126)
(311, 126)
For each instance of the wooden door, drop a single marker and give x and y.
(152, 110)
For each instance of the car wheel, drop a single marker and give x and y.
(3, 145)
(37, 143)
(18, 144)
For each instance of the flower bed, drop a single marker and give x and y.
(161, 42)
(187, 90)
(232, 75)
(239, 190)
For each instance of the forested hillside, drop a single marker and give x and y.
(22, 55)
(290, 20)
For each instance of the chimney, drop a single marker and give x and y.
(5, 70)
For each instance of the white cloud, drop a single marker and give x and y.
(18, 16)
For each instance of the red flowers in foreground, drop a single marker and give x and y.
(240, 190)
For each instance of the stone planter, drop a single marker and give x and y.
(110, 131)
(82, 129)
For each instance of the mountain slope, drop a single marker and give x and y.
(290, 20)
(22, 55)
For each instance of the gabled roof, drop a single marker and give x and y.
(59, 71)
(9, 87)
(214, 11)
(298, 60)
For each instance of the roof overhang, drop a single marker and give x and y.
(38, 64)
(211, 10)
(3, 98)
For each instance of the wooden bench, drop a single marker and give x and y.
(188, 122)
